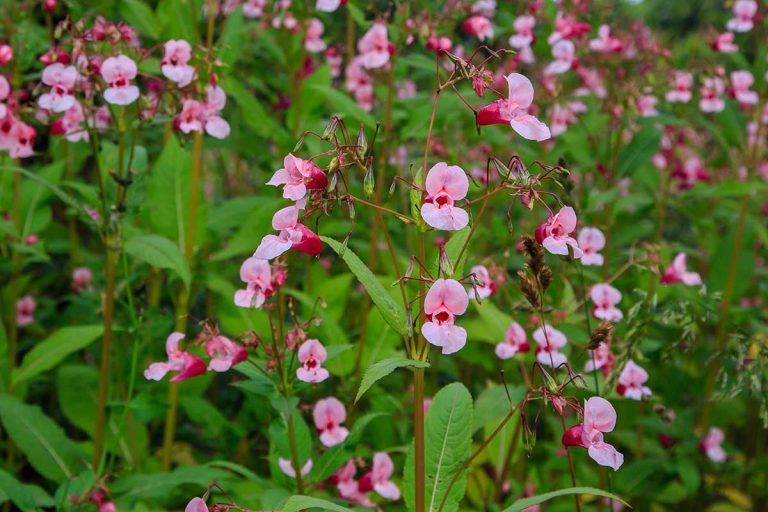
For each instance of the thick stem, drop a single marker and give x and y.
(418, 434)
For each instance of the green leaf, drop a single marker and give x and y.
(25, 496)
(231, 39)
(383, 368)
(51, 351)
(447, 444)
(158, 485)
(392, 312)
(254, 113)
(298, 503)
(141, 16)
(43, 442)
(159, 252)
(77, 387)
(452, 250)
(521, 505)
(492, 405)
(639, 151)
(344, 106)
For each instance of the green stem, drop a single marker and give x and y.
(295, 462)
(418, 434)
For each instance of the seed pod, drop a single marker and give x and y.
(528, 287)
(545, 277)
(535, 252)
(362, 143)
(368, 180)
(601, 334)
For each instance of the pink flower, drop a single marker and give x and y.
(190, 118)
(445, 300)
(254, 8)
(600, 359)
(380, 477)
(258, 278)
(328, 5)
(329, 414)
(550, 341)
(554, 234)
(185, 364)
(591, 241)
(298, 176)
(311, 356)
(514, 110)
(108, 506)
(349, 489)
(524, 36)
(711, 445)
(71, 124)
(313, 41)
(20, 138)
(605, 298)
(564, 53)
(681, 91)
(599, 418)
(646, 105)
(374, 47)
(724, 43)
(562, 117)
(479, 26)
(214, 103)
(224, 353)
(484, 286)
(678, 273)
(741, 81)
(175, 64)
(567, 27)
(82, 279)
(118, 73)
(631, 382)
(196, 505)
(445, 185)
(293, 235)
(711, 89)
(514, 341)
(6, 54)
(62, 81)
(25, 310)
(690, 173)
(287, 467)
(743, 15)
(605, 42)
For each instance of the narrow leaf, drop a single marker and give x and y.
(521, 505)
(298, 503)
(383, 368)
(159, 252)
(24, 496)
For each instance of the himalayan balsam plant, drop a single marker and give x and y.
(348, 254)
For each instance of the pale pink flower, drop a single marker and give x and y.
(550, 341)
(445, 185)
(297, 176)
(328, 5)
(562, 117)
(6, 54)
(374, 47)
(254, 8)
(108, 506)
(118, 72)
(292, 235)
(479, 26)
(599, 418)
(329, 414)
(214, 103)
(19, 140)
(287, 467)
(224, 353)
(485, 8)
(593, 82)
(359, 82)
(334, 61)
(646, 105)
(678, 273)
(406, 89)
(175, 64)
(185, 364)
(190, 118)
(567, 27)
(631, 383)
(514, 342)
(605, 298)
(711, 445)
(380, 477)
(348, 487)
(484, 286)
(554, 234)
(514, 110)
(723, 43)
(25, 310)
(605, 42)
(196, 505)
(681, 88)
(711, 89)
(591, 241)
(71, 124)
(311, 357)
(524, 37)
(313, 41)
(257, 275)
(600, 359)
(564, 53)
(82, 279)
(744, 12)
(61, 80)
(445, 300)
(741, 82)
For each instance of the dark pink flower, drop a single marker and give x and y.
(224, 353)
(183, 363)
(479, 26)
(599, 418)
(297, 176)
(292, 235)
(25, 310)
(605, 42)
(678, 273)
(555, 233)
(723, 43)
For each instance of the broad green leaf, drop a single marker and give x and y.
(447, 444)
(51, 351)
(158, 485)
(521, 505)
(254, 113)
(42, 441)
(25, 496)
(298, 503)
(383, 368)
(176, 19)
(231, 39)
(392, 312)
(493, 318)
(345, 107)
(159, 252)
(639, 151)
(141, 16)
(492, 405)
(77, 388)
